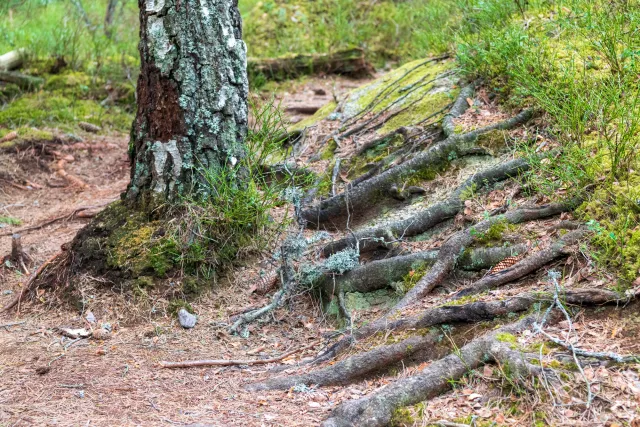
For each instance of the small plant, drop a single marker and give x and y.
(9, 220)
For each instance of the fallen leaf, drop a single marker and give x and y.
(484, 412)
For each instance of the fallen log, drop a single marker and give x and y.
(23, 81)
(12, 60)
(351, 63)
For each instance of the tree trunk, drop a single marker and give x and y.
(192, 96)
(108, 18)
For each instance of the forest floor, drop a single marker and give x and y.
(48, 379)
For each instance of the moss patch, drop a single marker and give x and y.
(71, 97)
(412, 93)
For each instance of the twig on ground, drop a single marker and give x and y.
(553, 275)
(229, 362)
(65, 217)
(8, 325)
(28, 285)
(334, 177)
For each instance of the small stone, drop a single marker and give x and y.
(89, 127)
(90, 317)
(187, 320)
(80, 394)
(7, 292)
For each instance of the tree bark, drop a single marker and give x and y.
(192, 96)
(108, 18)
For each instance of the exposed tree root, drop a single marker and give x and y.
(471, 312)
(18, 256)
(379, 274)
(357, 197)
(77, 213)
(448, 256)
(527, 265)
(459, 107)
(373, 238)
(55, 264)
(287, 278)
(348, 370)
(377, 408)
(455, 245)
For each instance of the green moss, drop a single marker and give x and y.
(493, 234)
(463, 300)
(56, 109)
(144, 282)
(493, 141)
(428, 173)
(506, 337)
(193, 286)
(402, 417)
(9, 91)
(176, 305)
(26, 136)
(72, 81)
(426, 105)
(9, 220)
(418, 270)
(329, 150)
(613, 214)
(405, 81)
(537, 348)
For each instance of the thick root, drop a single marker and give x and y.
(358, 197)
(459, 107)
(472, 312)
(377, 409)
(526, 266)
(354, 367)
(373, 238)
(452, 248)
(380, 274)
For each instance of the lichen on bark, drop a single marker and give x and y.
(192, 96)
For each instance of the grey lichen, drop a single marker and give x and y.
(342, 261)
